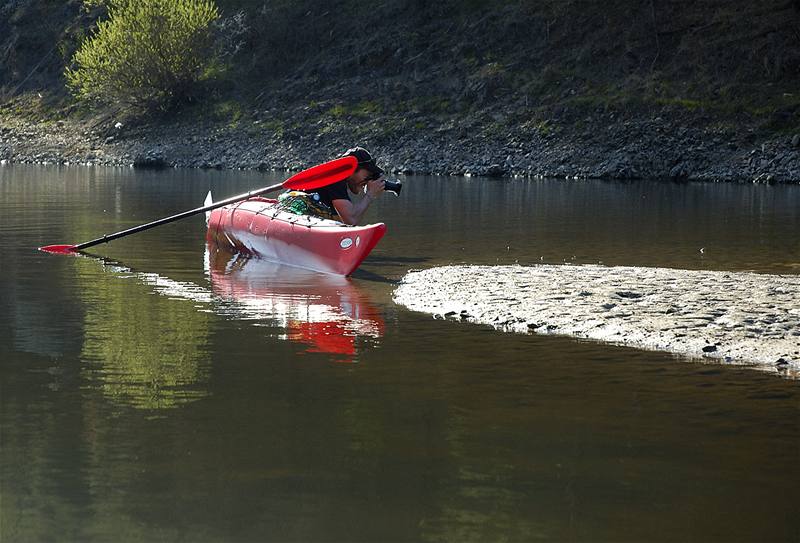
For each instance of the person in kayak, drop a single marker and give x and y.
(367, 182)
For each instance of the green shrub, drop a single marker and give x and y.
(148, 53)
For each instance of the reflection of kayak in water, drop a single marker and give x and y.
(327, 312)
(256, 226)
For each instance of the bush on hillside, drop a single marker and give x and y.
(148, 53)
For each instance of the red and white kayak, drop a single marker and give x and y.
(256, 226)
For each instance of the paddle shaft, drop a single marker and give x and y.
(313, 178)
(109, 237)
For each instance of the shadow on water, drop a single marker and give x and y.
(380, 259)
(369, 270)
(373, 277)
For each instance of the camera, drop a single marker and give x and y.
(393, 186)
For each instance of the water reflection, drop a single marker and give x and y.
(146, 341)
(141, 350)
(151, 351)
(327, 313)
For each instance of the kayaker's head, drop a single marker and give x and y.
(366, 170)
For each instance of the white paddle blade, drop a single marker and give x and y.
(208, 201)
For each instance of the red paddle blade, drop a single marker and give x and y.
(323, 174)
(58, 249)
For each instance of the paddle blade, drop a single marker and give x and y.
(323, 174)
(58, 249)
(208, 201)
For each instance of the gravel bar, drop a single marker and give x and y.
(726, 317)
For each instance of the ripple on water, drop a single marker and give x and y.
(738, 318)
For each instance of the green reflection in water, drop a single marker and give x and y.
(144, 350)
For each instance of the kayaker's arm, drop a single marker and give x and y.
(351, 213)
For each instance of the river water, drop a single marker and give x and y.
(160, 391)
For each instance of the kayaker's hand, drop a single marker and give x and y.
(375, 187)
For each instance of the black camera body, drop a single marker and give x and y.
(393, 186)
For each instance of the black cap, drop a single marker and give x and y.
(365, 160)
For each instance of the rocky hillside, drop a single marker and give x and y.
(622, 88)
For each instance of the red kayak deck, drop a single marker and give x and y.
(256, 226)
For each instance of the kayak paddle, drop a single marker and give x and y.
(310, 179)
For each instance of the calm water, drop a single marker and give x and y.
(164, 393)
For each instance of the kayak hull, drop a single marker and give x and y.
(257, 227)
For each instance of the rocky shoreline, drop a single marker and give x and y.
(604, 147)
